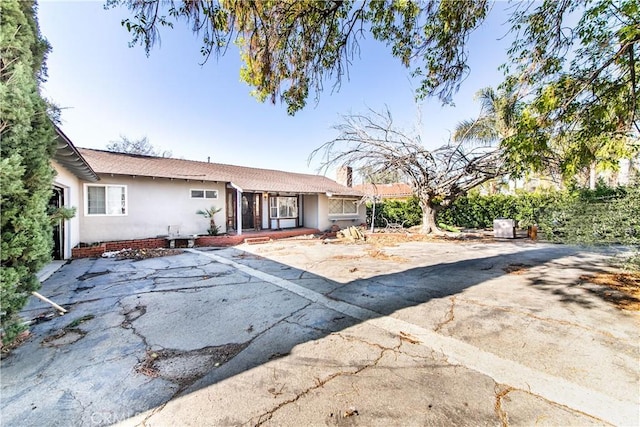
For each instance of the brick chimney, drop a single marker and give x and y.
(345, 176)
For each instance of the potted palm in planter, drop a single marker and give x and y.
(209, 213)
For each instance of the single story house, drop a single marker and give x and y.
(126, 197)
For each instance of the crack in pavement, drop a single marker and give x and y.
(127, 323)
(500, 412)
(371, 344)
(156, 410)
(185, 386)
(283, 320)
(514, 374)
(75, 398)
(151, 291)
(449, 316)
(319, 383)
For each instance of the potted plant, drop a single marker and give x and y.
(209, 213)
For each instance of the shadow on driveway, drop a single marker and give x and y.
(168, 327)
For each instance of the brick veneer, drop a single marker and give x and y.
(160, 242)
(96, 251)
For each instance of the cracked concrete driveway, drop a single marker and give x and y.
(305, 333)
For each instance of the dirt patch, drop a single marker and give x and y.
(184, 367)
(64, 337)
(379, 254)
(375, 253)
(391, 239)
(69, 334)
(86, 276)
(6, 349)
(140, 254)
(622, 289)
(346, 257)
(80, 320)
(516, 268)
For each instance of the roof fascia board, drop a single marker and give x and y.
(88, 173)
(237, 187)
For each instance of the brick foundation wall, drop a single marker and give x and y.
(96, 251)
(152, 243)
(88, 252)
(136, 244)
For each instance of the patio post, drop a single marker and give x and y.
(239, 210)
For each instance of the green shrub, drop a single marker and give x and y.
(477, 211)
(595, 217)
(28, 143)
(407, 211)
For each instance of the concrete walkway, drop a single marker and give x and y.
(300, 333)
(48, 270)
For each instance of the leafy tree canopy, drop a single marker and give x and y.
(140, 146)
(575, 66)
(291, 47)
(576, 57)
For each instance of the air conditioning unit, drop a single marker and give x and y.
(504, 228)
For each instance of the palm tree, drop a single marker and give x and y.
(496, 122)
(209, 213)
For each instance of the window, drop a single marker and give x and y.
(283, 207)
(204, 194)
(105, 199)
(343, 206)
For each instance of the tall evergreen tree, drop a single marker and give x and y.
(27, 143)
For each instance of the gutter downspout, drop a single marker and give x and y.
(238, 208)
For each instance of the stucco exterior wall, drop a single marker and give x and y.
(152, 206)
(325, 220)
(310, 207)
(72, 198)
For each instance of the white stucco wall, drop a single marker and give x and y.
(153, 206)
(72, 195)
(325, 221)
(310, 207)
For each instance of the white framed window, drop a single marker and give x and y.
(109, 200)
(283, 207)
(204, 194)
(343, 206)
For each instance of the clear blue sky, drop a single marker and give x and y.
(107, 89)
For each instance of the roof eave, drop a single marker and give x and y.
(70, 158)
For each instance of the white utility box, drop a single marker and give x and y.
(504, 228)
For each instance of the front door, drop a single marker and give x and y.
(247, 210)
(55, 202)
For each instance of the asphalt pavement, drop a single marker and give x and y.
(299, 332)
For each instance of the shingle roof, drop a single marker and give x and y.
(248, 179)
(389, 191)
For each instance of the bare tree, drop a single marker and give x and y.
(438, 177)
(140, 146)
